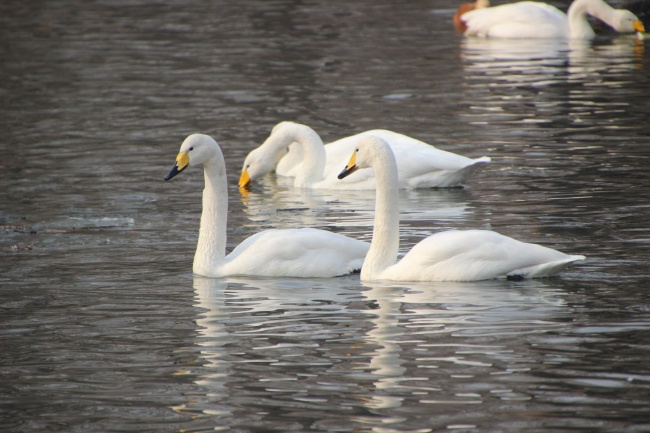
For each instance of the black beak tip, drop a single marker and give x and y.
(173, 172)
(347, 171)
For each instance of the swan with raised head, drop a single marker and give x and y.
(529, 19)
(316, 165)
(304, 252)
(454, 255)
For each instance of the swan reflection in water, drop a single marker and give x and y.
(332, 343)
(542, 95)
(434, 325)
(275, 203)
(503, 63)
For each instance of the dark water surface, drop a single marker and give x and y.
(104, 327)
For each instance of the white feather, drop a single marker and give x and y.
(315, 165)
(453, 255)
(304, 252)
(529, 19)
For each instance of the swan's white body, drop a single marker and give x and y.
(529, 19)
(304, 252)
(453, 255)
(315, 165)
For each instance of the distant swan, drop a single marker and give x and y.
(302, 252)
(454, 255)
(315, 165)
(529, 19)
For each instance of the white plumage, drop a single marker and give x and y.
(304, 252)
(452, 255)
(529, 19)
(315, 165)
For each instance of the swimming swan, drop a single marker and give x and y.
(454, 255)
(529, 19)
(304, 252)
(419, 164)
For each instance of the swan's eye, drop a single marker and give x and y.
(191, 148)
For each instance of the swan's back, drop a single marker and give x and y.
(406, 149)
(420, 165)
(517, 20)
(472, 255)
(304, 252)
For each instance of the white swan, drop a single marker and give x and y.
(302, 252)
(453, 255)
(315, 165)
(529, 19)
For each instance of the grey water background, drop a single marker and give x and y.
(103, 327)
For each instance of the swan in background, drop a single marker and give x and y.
(304, 252)
(466, 7)
(315, 165)
(528, 19)
(454, 255)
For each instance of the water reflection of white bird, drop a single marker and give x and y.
(437, 318)
(268, 324)
(598, 64)
(453, 255)
(273, 204)
(213, 340)
(301, 252)
(505, 76)
(316, 165)
(528, 19)
(385, 361)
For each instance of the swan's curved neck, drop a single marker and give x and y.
(385, 234)
(313, 163)
(578, 11)
(211, 246)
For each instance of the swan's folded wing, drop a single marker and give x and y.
(340, 150)
(472, 255)
(302, 252)
(419, 164)
(516, 20)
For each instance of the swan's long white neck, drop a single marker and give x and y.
(211, 246)
(313, 164)
(385, 236)
(578, 11)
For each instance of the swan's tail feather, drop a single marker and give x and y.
(544, 269)
(481, 160)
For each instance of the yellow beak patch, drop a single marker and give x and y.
(638, 26)
(352, 162)
(350, 168)
(244, 179)
(182, 160)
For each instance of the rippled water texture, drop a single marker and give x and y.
(104, 327)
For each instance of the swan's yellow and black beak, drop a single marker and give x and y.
(638, 26)
(244, 179)
(351, 167)
(182, 162)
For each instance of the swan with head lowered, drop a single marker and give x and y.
(528, 19)
(315, 165)
(304, 252)
(454, 255)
